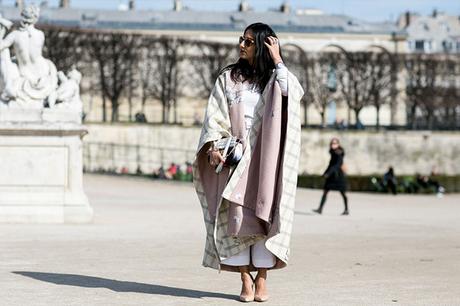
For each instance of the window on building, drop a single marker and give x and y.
(420, 45)
(445, 27)
(446, 46)
(411, 44)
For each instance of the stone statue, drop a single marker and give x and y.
(68, 91)
(8, 70)
(30, 81)
(41, 131)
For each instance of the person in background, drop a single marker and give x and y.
(427, 182)
(389, 181)
(335, 176)
(171, 172)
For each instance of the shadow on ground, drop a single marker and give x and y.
(120, 286)
(304, 213)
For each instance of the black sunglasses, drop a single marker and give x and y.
(247, 42)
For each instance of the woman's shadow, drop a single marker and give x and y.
(120, 286)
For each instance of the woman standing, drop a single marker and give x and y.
(248, 205)
(334, 175)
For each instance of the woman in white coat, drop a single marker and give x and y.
(248, 204)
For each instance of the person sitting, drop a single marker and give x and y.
(171, 172)
(389, 181)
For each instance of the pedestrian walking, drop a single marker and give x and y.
(245, 170)
(335, 176)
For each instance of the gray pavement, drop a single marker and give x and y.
(145, 246)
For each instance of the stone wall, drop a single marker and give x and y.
(114, 146)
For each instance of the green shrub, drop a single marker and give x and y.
(366, 183)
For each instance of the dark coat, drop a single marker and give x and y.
(335, 177)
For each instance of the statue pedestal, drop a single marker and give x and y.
(41, 172)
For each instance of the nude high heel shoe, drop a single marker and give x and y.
(260, 297)
(249, 297)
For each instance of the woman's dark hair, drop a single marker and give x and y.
(339, 149)
(261, 72)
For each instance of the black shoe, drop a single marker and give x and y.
(345, 213)
(318, 211)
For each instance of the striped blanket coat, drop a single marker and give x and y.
(215, 205)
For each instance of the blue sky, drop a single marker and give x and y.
(372, 10)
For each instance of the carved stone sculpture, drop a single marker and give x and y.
(40, 131)
(30, 80)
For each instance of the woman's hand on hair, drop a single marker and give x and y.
(272, 43)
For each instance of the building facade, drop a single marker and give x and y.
(437, 33)
(308, 30)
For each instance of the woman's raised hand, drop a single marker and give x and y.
(272, 43)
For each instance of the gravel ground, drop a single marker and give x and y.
(145, 246)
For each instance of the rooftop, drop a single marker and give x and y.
(429, 27)
(287, 22)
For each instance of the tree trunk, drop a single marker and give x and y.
(349, 116)
(103, 90)
(130, 106)
(413, 121)
(305, 113)
(165, 112)
(356, 111)
(144, 100)
(455, 118)
(114, 112)
(377, 124)
(130, 103)
(104, 108)
(429, 120)
(175, 111)
(323, 119)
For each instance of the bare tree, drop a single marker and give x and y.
(298, 62)
(63, 46)
(383, 71)
(365, 79)
(132, 82)
(321, 90)
(423, 87)
(123, 65)
(114, 53)
(164, 74)
(450, 109)
(208, 59)
(146, 68)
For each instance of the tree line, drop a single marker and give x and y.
(138, 68)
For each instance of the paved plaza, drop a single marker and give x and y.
(145, 247)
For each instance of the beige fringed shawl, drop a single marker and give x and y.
(254, 200)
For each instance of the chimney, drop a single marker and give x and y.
(285, 7)
(64, 3)
(132, 5)
(435, 13)
(244, 6)
(407, 16)
(177, 5)
(19, 4)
